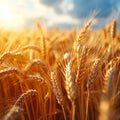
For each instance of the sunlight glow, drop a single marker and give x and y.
(9, 18)
(5, 13)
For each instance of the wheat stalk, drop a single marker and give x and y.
(43, 39)
(104, 110)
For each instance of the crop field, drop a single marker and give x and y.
(60, 74)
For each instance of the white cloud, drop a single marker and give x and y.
(52, 18)
(57, 19)
(65, 7)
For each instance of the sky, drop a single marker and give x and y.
(21, 14)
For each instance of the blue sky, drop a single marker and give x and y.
(19, 14)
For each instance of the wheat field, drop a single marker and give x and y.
(60, 74)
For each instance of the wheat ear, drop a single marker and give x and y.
(81, 64)
(24, 96)
(107, 90)
(84, 30)
(91, 79)
(70, 82)
(109, 77)
(93, 73)
(81, 35)
(111, 28)
(56, 87)
(70, 85)
(44, 47)
(108, 82)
